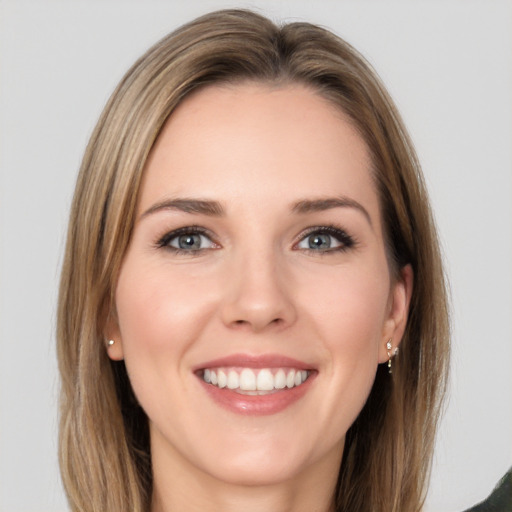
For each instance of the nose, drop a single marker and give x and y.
(258, 294)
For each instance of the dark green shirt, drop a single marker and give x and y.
(501, 498)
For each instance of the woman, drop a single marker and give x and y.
(250, 242)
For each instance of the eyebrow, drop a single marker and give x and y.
(199, 206)
(214, 208)
(328, 203)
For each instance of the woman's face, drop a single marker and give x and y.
(255, 301)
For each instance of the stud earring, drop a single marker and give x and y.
(110, 342)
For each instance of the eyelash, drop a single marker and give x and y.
(164, 241)
(346, 241)
(340, 235)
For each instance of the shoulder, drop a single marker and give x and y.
(501, 498)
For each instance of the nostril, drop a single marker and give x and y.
(244, 323)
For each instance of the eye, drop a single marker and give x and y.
(188, 239)
(326, 239)
(191, 242)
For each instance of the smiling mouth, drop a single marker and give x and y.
(251, 381)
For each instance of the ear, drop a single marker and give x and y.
(398, 312)
(112, 337)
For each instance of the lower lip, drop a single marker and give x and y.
(257, 405)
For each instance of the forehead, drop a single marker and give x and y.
(256, 140)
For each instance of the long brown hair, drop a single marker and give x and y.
(104, 445)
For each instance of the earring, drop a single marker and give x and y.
(110, 342)
(389, 346)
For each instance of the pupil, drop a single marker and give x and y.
(189, 241)
(319, 242)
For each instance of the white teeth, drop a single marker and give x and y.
(247, 379)
(265, 380)
(290, 379)
(280, 379)
(233, 380)
(222, 379)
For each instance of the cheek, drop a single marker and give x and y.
(349, 314)
(348, 308)
(157, 308)
(346, 311)
(160, 315)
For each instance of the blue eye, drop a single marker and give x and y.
(319, 241)
(191, 242)
(186, 240)
(326, 239)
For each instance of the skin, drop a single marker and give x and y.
(256, 287)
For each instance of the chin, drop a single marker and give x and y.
(257, 473)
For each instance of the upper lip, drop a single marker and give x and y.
(255, 361)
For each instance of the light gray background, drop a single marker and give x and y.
(448, 65)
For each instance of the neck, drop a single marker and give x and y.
(232, 498)
(183, 487)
